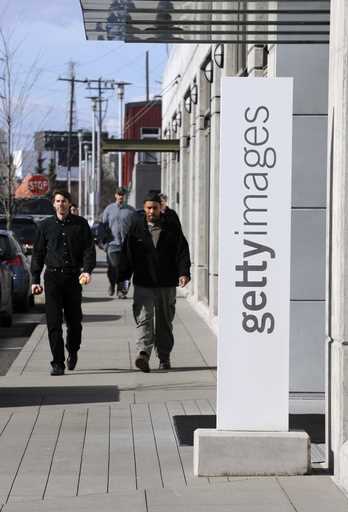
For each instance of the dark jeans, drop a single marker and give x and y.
(113, 260)
(63, 293)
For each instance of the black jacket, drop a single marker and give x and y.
(49, 245)
(154, 266)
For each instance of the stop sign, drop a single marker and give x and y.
(38, 185)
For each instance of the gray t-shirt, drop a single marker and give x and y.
(155, 231)
(119, 219)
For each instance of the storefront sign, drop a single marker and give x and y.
(254, 266)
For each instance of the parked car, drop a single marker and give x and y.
(13, 256)
(38, 208)
(25, 229)
(5, 292)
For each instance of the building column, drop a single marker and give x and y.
(191, 192)
(184, 170)
(201, 224)
(337, 253)
(164, 171)
(172, 182)
(214, 194)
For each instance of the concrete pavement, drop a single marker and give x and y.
(102, 437)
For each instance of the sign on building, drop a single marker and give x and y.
(254, 266)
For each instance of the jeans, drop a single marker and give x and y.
(63, 293)
(154, 311)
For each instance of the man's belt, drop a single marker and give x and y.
(68, 270)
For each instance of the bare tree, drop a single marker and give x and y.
(16, 87)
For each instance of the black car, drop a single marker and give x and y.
(25, 229)
(5, 292)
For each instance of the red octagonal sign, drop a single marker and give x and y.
(38, 185)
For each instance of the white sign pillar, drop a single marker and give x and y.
(254, 254)
(252, 436)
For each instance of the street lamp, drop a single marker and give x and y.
(120, 94)
(93, 193)
(87, 173)
(219, 55)
(80, 137)
(208, 71)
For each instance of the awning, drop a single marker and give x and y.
(151, 145)
(181, 21)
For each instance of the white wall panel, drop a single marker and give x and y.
(308, 254)
(307, 346)
(309, 161)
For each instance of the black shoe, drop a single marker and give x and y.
(57, 370)
(72, 360)
(142, 362)
(165, 365)
(111, 290)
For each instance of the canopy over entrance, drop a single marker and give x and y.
(181, 21)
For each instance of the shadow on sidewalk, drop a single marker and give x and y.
(97, 371)
(21, 397)
(96, 299)
(100, 318)
(185, 425)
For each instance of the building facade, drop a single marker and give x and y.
(191, 112)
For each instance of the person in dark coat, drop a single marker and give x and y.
(168, 212)
(156, 253)
(65, 244)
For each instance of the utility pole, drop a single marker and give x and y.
(94, 108)
(99, 85)
(72, 80)
(147, 76)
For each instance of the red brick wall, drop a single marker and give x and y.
(138, 115)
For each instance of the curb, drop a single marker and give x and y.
(19, 364)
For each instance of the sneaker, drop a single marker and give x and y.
(165, 364)
(142, 362)
(72, 360)
(111, 290)
(57, 370)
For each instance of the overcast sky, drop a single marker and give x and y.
(52, 32)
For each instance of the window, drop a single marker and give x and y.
(148, 157)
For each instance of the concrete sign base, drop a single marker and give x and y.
(232, 453)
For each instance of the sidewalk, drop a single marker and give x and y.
(102, 437)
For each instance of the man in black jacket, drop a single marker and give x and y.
(156, 253)
(64, 244)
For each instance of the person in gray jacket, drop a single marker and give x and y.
(117, 216)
